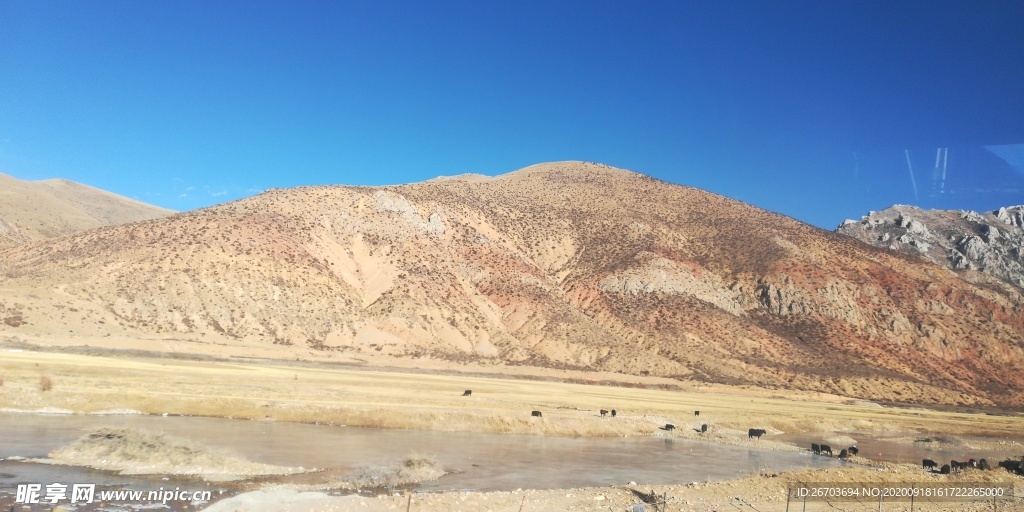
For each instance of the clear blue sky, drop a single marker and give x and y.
(805, 108)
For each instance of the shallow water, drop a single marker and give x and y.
(482, 461)
(884, 447)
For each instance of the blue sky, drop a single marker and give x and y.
(805, 108)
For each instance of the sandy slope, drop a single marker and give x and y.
(35, 210)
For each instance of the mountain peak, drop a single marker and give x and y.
(559, 265)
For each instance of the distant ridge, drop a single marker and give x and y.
(36, 210)
(568, 265)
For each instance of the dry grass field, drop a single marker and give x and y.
(394, 398)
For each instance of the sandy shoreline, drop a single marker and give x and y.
(764, 493)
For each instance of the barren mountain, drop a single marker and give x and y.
(564, 265)
(991, 242)
(34, 210)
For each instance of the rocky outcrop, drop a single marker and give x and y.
(990, 242)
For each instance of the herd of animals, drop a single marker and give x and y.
(824, 449)
(1013, 466)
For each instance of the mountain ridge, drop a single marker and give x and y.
(569, 265)
(35, 210)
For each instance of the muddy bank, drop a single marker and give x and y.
(133, 452)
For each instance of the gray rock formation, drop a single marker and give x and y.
(991, 242)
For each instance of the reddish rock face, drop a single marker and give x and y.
(566, 265)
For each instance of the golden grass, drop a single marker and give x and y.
(395, 399)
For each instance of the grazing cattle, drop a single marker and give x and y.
(929, 464)
(843, 454)
(756, 432)
(603, 412)
(972, 463)
(826, 449)
(1013, 466)
(669, 426)
(816, 448)
(613, 413)
(853, 450)
(467, 392)
(536, 414)
(983, 465)
(703, 428)
(945, 469)
(957, 466)
(696, 413)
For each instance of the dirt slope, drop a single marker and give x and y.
(34, 210)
